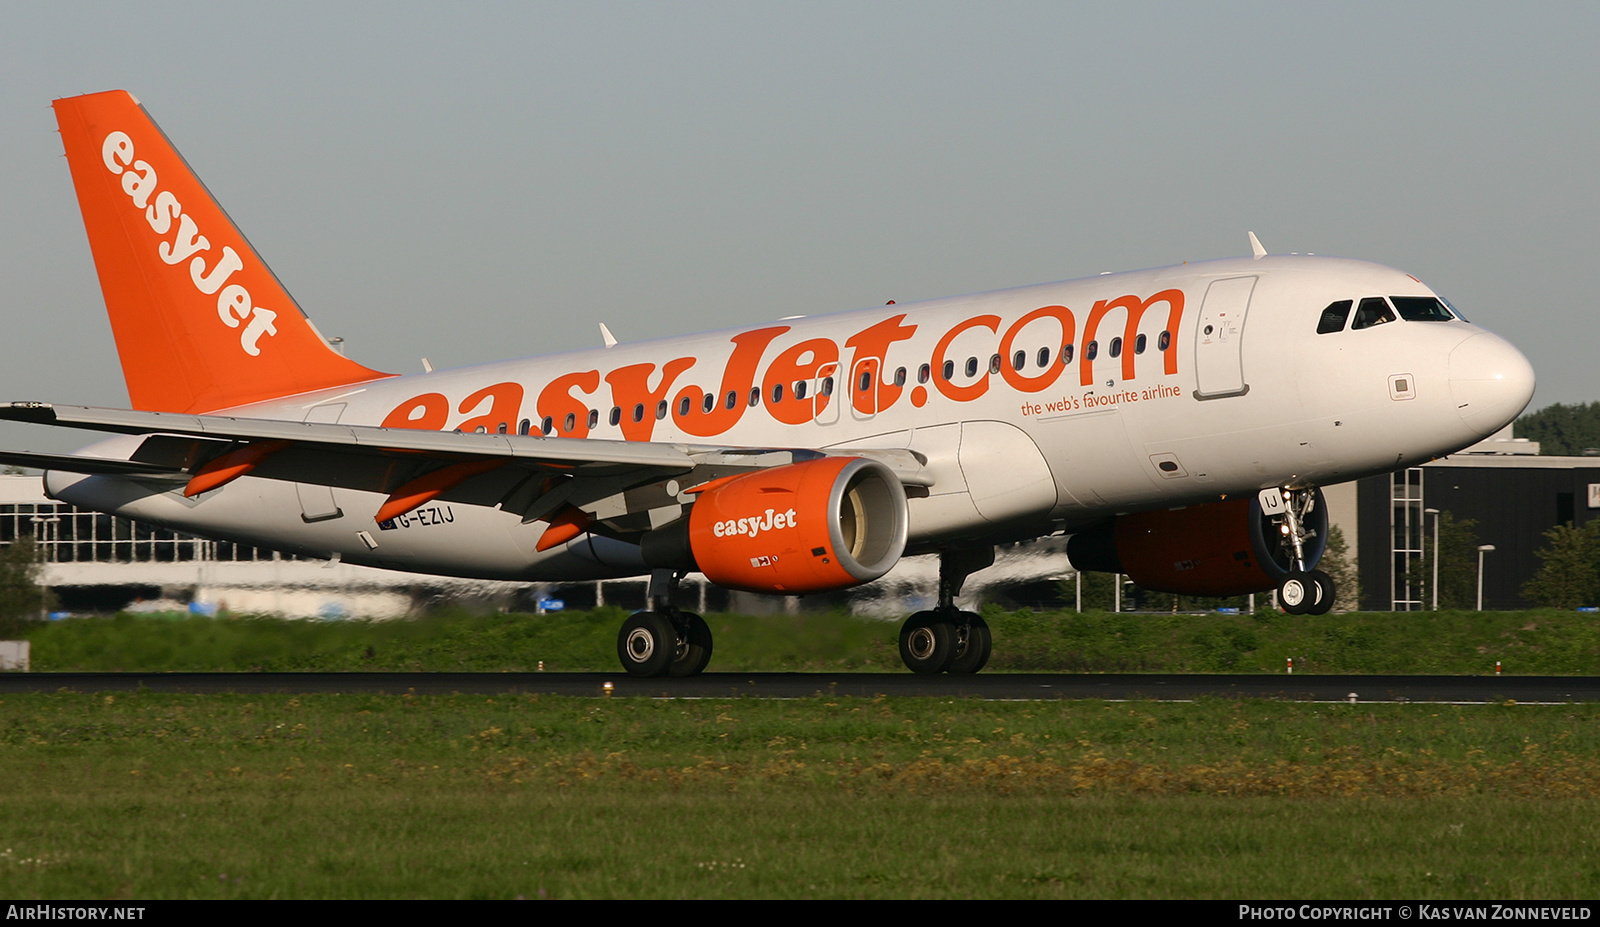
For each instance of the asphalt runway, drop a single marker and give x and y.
(995, 686)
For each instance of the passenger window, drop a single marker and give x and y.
(1372, 311)
(1044, 357)
(1421, 309)
(923, 373)
(1334, 317)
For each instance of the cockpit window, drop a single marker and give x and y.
(1372, 311)
(1421, 309)
(1334, 317)
(1452, 307)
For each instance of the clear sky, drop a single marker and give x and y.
(472, 182)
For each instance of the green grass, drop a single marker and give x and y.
(166, 796)
(1545, 642)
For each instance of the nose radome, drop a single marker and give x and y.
(1490, 381)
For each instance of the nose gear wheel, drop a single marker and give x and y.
(1306, 592)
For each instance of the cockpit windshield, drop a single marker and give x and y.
(1376, 310)
(1422, 309)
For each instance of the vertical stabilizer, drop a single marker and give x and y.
(201, 322)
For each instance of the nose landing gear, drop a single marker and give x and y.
(1302, 591)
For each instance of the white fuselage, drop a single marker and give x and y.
(1218, 384)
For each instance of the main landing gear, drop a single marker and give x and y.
(947, 640)
(664, 641)
(1302, 591)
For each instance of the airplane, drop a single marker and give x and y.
(1174, 423)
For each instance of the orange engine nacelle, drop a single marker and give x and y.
(814, 526)
(1216, 549)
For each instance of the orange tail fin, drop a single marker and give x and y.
(201, 322)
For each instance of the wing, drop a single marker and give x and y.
(619, 488)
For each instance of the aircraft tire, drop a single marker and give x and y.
(1297, 593)
(693, 650)
(972, 646)
(646, 644)
(1323, 602)
(927, 643)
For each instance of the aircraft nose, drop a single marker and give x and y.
(1490, 381)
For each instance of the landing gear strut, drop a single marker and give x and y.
(1302, 591)
(664, 641)
(946, 640)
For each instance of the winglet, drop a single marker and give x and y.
(1255, 247)
(200, 320)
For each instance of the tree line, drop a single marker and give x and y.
(1562, 430)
